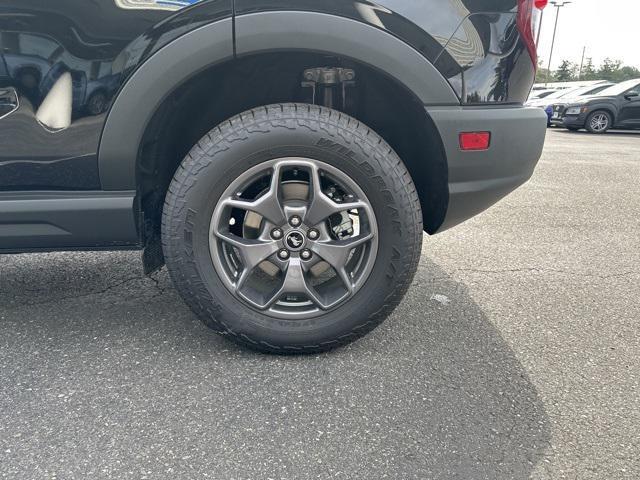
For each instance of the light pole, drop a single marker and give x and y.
(557, 4)
(539, 28)
(584, 50)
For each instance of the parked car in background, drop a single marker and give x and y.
(568, 94)
(536, 95)
(615, 107)
(564, 85)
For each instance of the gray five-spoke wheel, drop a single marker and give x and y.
(293, 238)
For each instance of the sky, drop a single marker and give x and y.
(608, 28)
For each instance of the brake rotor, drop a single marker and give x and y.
(292, 191)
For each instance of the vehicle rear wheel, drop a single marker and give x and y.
(292, 228)
(599, 122)
(97, 103)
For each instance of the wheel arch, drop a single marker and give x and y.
(321, 32)
(143, 93)
(610, 109)
(210, 47)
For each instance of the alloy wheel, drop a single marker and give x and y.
(599, 122)
(293, 238)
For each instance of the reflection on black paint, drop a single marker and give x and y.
(486, 62)
(99, 44)
(34, 62)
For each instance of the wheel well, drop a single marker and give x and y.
(605, 109)
(223, 91)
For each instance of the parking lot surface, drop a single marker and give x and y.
(515, 355)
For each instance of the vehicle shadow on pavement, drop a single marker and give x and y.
(107, 373)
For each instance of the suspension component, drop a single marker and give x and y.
(329, 86)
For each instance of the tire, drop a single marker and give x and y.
(599, 122)
(29, 79)
(97, 103)
(329, 143)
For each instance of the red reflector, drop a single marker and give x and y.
(475, 140)
(540, 4)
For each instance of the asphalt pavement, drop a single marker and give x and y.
(515, 355)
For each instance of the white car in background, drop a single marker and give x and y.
(538, 94)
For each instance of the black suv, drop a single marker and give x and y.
(615, 107)
(281, 157)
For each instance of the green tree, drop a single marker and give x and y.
(543, 75)
(609, 70)
(589, 72)
(626, 73)
(566, 72)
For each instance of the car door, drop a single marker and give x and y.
(52, 52)
(40, 146)
(629, 114)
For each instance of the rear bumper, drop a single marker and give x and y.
(479, 179)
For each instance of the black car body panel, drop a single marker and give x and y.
(101, 44)
(463, 60)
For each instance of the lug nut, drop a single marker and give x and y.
(305, 254)
(313, 234)
(283, 254)
(295, 221)
(276, 234)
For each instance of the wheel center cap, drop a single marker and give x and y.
(295, 240)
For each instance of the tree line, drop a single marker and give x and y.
(612, 70)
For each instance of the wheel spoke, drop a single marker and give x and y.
(295, 282)
(268, 205)
(321, 206)
(599, 122)
(253, 253)
(336, 254)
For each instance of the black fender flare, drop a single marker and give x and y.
(144, 92)
(212, 44)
